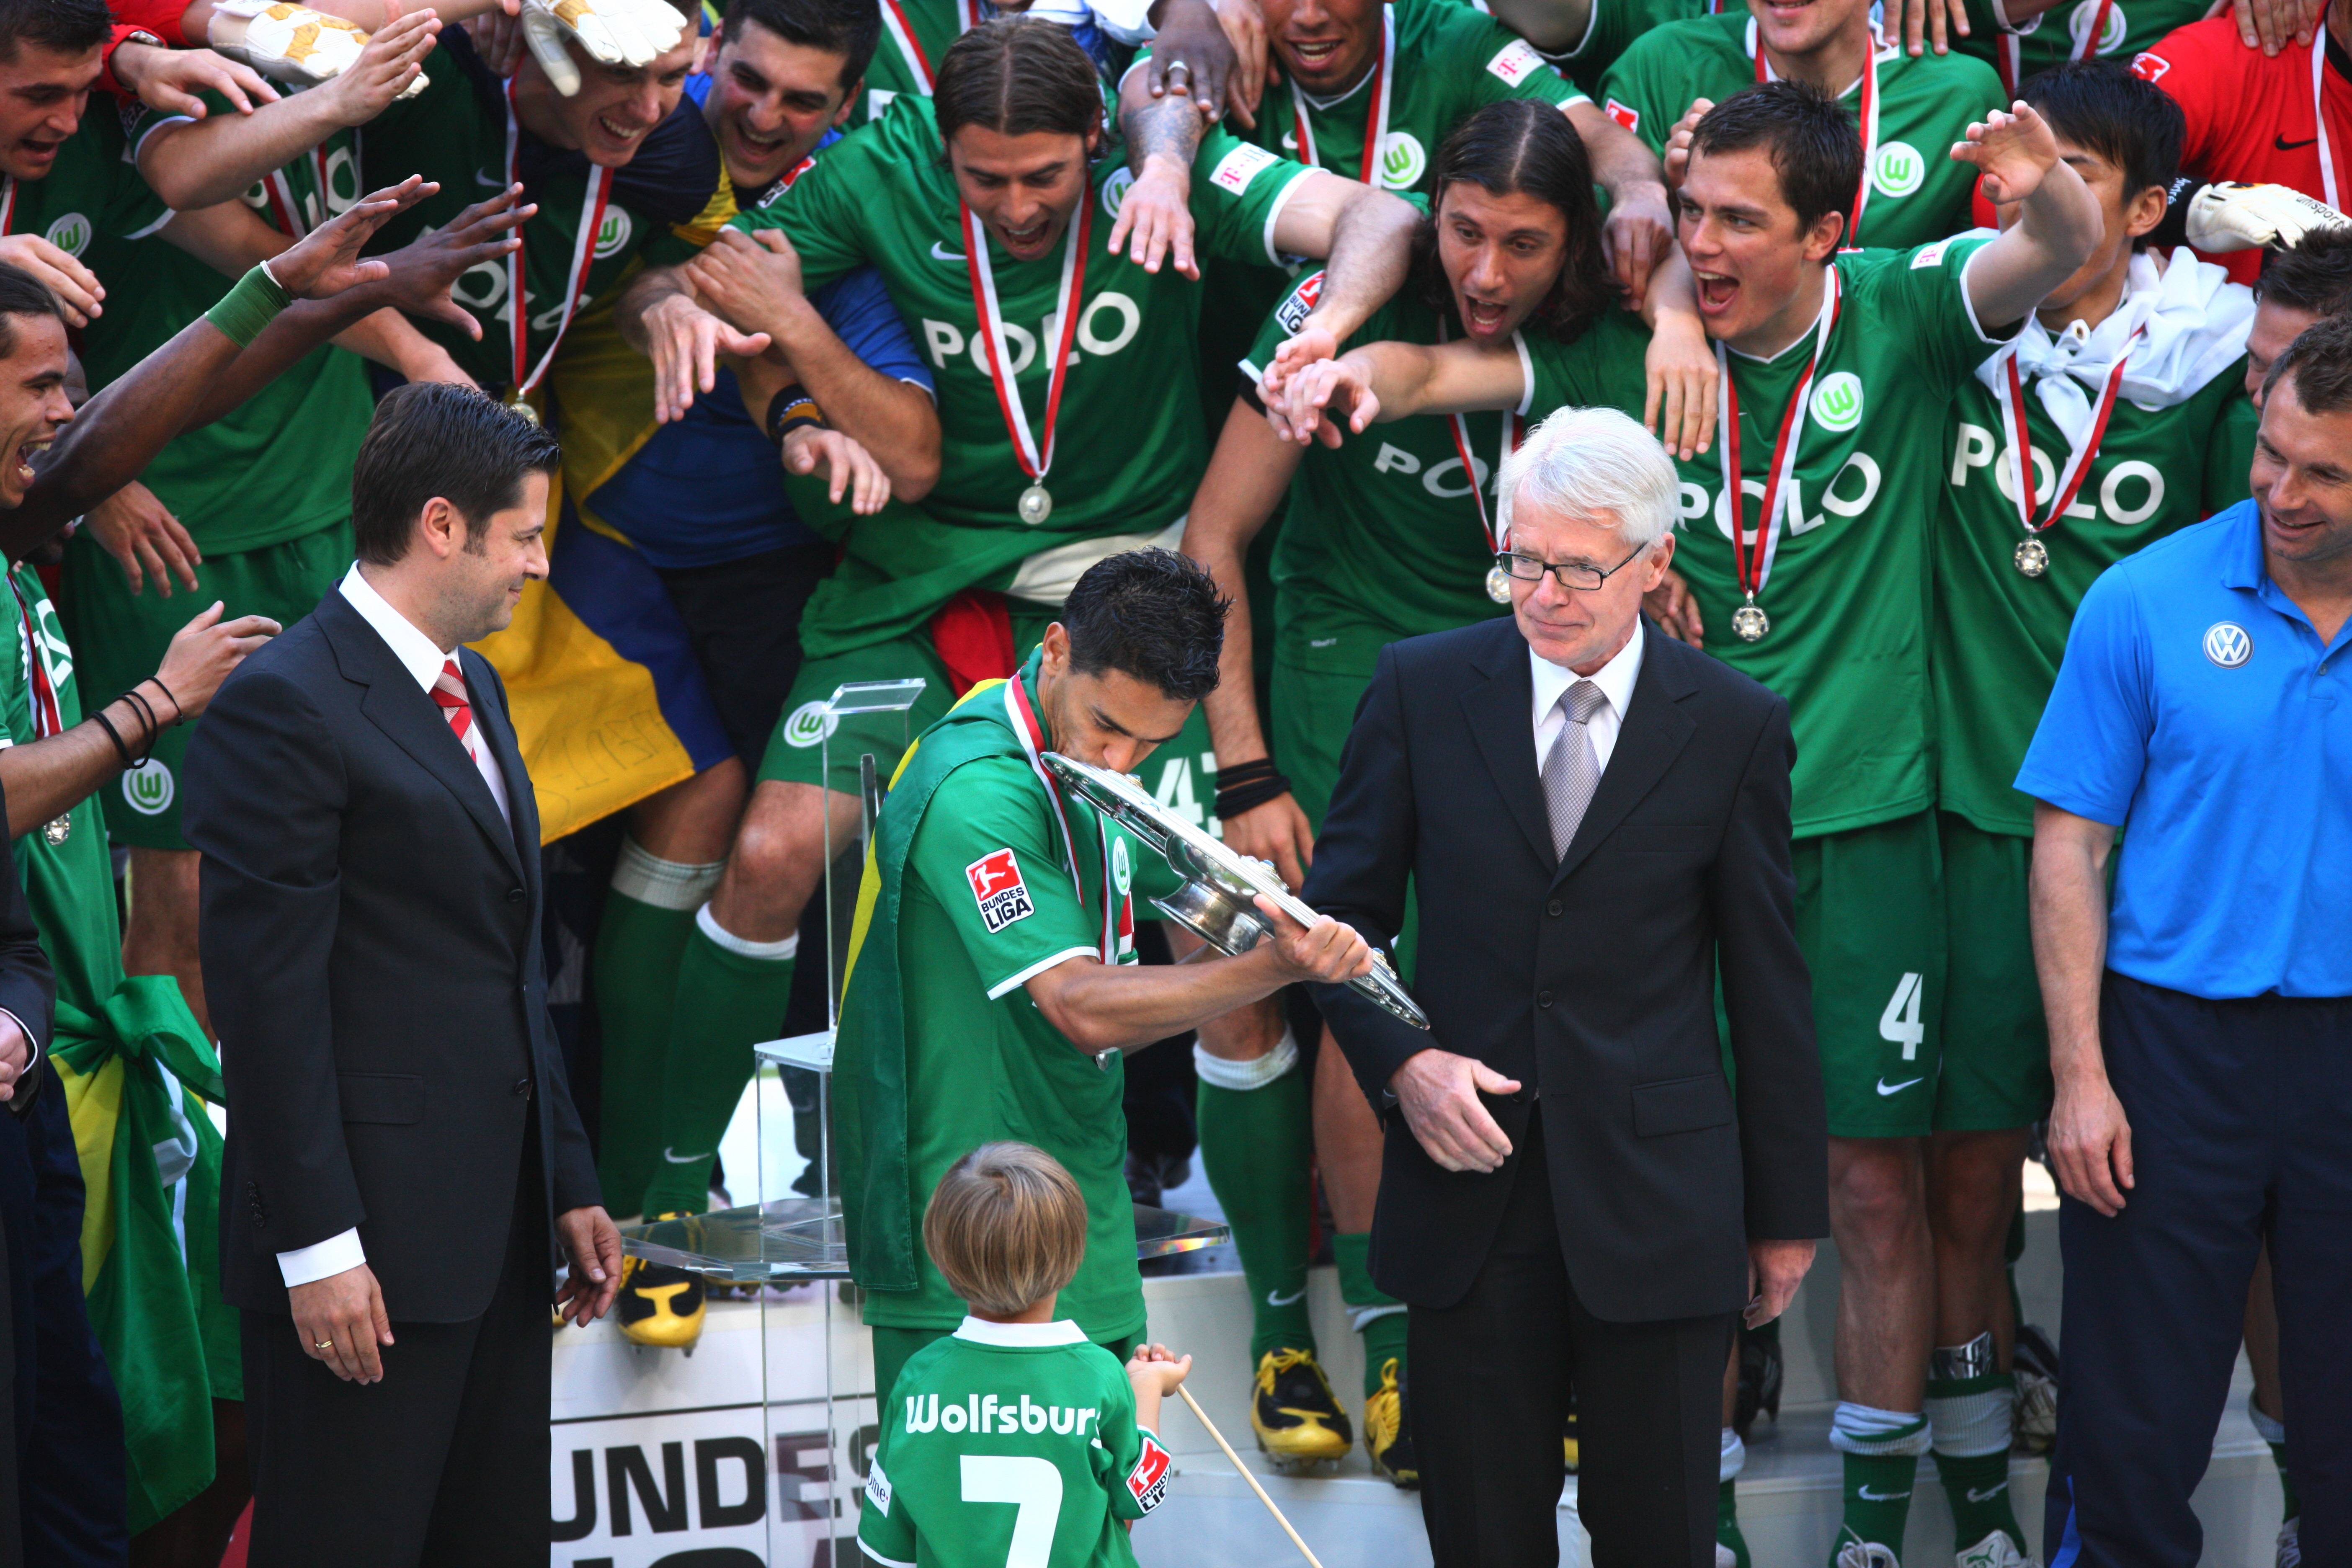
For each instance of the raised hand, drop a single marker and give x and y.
(632, 33)
(389, 68)
(1155, 218)
(205, 652)
(144, 538)
(76, 286)
(846, 466)
(418, 276)
(2012, 149)
(1195, 47)
(326, 262)
(169, 80)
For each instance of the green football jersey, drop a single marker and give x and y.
(1610, 29)
(1919, 192)
(68, 877)
(2000, 633)
(279, 465)
(916, 35)
(1848, 587)
(990, 900)
(1384, 538)
(2054, 37)
(1130, 441)
(454, 132)
(1450, 61)
(1010, 1443)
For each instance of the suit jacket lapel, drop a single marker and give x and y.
(397, 706)
(1501, 718)
(1653, 734)
(498, 731)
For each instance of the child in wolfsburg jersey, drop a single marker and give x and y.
(1014, 1438)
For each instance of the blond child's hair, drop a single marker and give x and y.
(1006, 1226)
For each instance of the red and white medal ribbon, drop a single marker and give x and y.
(285, 207)
(1515, 430)
(1033, 457)
(8, 206)
(1868, 116)
(2012, 56)
(1753, 570)
(2078, 460)
(1118, 921)
(1376, 114)
(575, 281)
(910, 47)
(2318, 114)
(48, 719)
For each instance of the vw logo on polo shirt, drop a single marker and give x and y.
(1837, 401)
(2227, 644)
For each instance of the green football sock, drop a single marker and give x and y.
(732, 994)
(1972, 1420)
(2275, 1434)
(647, 917)
(1727, 1521)
(1257, 1147)
(1882, 1449)
(1726, 1497)
(1376, 1315)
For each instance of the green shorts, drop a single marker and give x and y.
(1313, 713)
(1181, 774)
(119, 639)
(1995, 1044)
(1870, 918)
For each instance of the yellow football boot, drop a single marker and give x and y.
(659, 1305)
(1387, 1437)
(1570, 1449)
(1296, 1415)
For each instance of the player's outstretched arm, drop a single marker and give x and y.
(1365, 235)
(199, 163)
(205, 372)
(1248, 475)
(1102, 1007)
(1640, 228)
(2058, 225)
(1155, 217)
(1330, 399)
(1551, 26)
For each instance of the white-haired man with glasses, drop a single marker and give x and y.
(1594, 822)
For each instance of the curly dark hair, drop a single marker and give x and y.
(1522, 146)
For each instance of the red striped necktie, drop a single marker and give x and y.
(450, 691)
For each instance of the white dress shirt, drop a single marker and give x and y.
(1615, 680)
(423, 659)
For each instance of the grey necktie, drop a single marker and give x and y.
(1572, 770)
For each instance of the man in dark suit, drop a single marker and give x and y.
(1595, 823)
(403, 1154)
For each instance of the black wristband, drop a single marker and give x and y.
(789, 410)
(179, 714)
(1231, 803)
(1244, 772)
(121, 750)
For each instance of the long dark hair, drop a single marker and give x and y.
(1523, 145)
(1017, 75)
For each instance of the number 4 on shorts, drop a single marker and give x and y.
(1900, 1023)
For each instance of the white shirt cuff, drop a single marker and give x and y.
(32, 1041)
(332, 1256)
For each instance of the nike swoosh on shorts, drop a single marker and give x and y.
(1886, 1088)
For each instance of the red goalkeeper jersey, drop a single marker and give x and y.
(2260, 119)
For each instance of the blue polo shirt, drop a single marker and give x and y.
(709, 489)
(2198, 710)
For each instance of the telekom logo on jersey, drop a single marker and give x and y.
(990, 1413)
(1107, 324)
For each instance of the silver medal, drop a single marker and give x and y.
(57, 830)
(1750, 622)
(1498, 584)
(1036, 505)
(2032, 557)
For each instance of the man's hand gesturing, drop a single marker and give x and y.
(1438, 1092)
